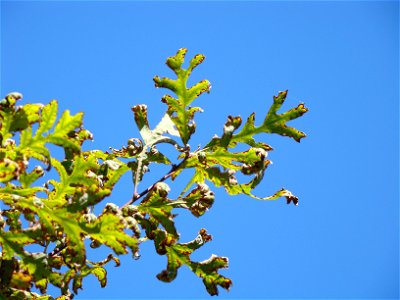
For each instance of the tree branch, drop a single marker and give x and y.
(136, 196)
(57, 250)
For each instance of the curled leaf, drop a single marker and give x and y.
(199, 200)
(179, 255)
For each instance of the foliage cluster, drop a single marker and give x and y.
(58, 219)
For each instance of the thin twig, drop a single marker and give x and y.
(58, 250)
(174, 168)
(137, 174)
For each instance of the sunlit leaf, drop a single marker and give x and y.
(25, 116)
(199, 200)
(49, 115)
(101, 275)
(179, 255)
(178, 108)
(218, 164)
(108, 230)
(68, 123)
(159, 207)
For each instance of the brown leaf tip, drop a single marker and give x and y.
(293, 199)
(204, 235)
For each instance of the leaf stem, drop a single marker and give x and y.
(58, 250)
(174, 168)
(136, 183)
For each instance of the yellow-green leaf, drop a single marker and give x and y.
(49, 115)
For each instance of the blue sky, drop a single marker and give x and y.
(340, 58)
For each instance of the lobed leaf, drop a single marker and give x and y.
(273, 122)
(159, 207)
(25, 116)
(218, 164)
(108, 229)
(68, 123)
(178, 108)
(179, 255)
(49, 115)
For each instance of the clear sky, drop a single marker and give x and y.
(340, 58)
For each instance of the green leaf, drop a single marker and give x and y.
(283, 193)
(27, 179)
(62, 172)
(101, 275)
(254, 165)
(77, 283)
(49, 115)
(273, 122)
(70, 227)
(208, 270)
(140, 113)
(153, 155)
(208, 163)
(38, 265)
(108, 230)
(45, 298)
(61, 188)
(26, 138)
(159, 207)
(16, 192)
(64, 141)
(34, 148)
(6, 117)
(12, 242)
(199, 200)
(68, 123)
(178, 108)
(179, 255)
(115, 174)
(23, 295)
(8, 170)
(218, 164)
(25, 116)
(85, 180)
